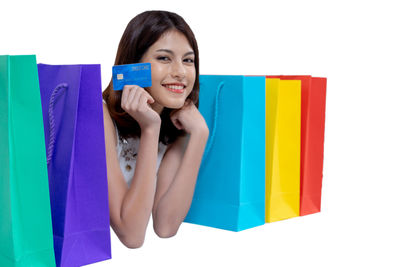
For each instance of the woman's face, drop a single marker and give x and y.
(173, 72)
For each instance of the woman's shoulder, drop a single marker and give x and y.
(107, 116)
(109, 124)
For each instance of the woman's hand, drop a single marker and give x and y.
(135, 102)
(189, 119)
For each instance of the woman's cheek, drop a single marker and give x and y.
(157, 72)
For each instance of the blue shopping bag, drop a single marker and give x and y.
(230, 188)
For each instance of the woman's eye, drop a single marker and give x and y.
(162, 58)
(189, 60)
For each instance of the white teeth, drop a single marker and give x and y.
(175, 87)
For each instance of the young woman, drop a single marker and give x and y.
(155, 137)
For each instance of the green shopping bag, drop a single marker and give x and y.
(26, 237)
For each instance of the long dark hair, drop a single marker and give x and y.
(141, 33)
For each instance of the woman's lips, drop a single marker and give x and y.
(179, 91)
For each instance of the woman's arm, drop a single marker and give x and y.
(177, 178)
(130, 208)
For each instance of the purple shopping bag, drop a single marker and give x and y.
(76, 163)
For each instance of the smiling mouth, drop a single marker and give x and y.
(175, 89)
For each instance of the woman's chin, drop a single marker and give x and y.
(174, 104)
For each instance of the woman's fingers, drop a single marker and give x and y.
(132, 95)
(150, 97)
(135, 100)
(125, 93)
(132, 92)
(143, 102)
(177, 124)
(175, 121)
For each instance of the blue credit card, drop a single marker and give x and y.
(131, 74)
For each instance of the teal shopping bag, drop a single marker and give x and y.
(26, 237)
(230, 188)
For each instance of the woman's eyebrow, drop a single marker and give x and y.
(171, 52)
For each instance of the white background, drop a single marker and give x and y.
(353, 43)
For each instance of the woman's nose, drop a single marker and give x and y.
(178, 70)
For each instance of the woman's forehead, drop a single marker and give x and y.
(173, 41)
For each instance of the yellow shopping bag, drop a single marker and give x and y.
(283, 120)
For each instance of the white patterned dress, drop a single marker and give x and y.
(127, 154)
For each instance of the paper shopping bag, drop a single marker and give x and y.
(25, 220)
(282, 151)
(74, 135)
(313, 99)
(230, 188)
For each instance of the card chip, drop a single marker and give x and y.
(120, 76)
